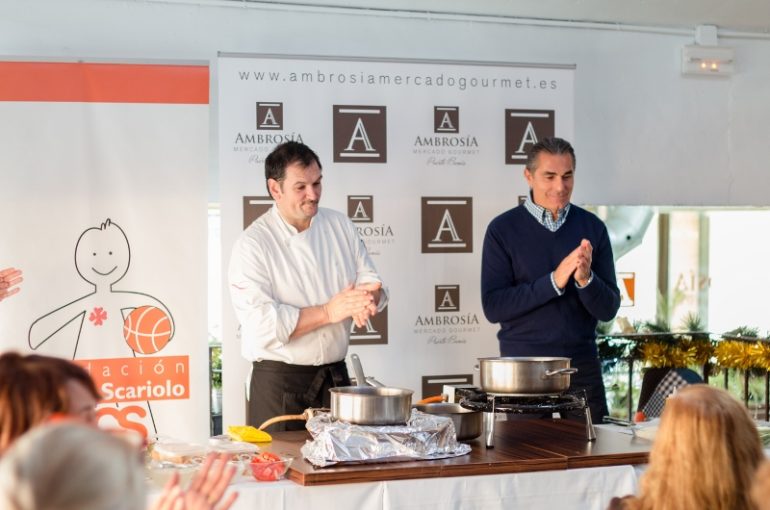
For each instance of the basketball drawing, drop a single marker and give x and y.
(147, 329)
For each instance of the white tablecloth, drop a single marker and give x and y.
(573, 489)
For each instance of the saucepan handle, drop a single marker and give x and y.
(358, 370)
(560, 371)
(374, 382)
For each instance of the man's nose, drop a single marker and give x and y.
(312, 193)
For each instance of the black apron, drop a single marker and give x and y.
(279, 388)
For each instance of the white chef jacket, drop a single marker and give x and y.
(276, 270)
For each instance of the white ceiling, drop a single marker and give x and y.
(728, 15)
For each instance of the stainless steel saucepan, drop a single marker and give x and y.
(525, 375)
(468, 423)
(368, 405)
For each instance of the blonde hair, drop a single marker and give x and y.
(760, 492)
(705, 454)
(69, 466)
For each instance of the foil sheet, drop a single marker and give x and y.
(423, 437)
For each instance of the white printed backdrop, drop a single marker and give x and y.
(421, 155)
(81, 144)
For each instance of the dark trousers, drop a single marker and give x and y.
(278, 388)
(589, 378)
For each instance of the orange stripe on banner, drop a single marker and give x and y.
(103, 83)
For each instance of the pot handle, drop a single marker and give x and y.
(358, 369)
(559, 371)
(374, 382)
(306, 415)
(432, 400)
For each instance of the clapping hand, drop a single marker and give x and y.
(9, 279)
(352, 302)
(584, 259)
(369, 310)
(206, 488)
(577, 264)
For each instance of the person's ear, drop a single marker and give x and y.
(528, 176)
(275, 188)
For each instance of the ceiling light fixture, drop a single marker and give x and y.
(705, 57)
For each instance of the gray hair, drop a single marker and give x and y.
(70, 466)
(551, 145)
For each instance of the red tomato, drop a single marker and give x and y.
(268, 467)
(269, 457)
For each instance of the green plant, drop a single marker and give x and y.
(692, 323)
(741, 332)
(216, 366)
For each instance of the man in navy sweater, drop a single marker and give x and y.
(547, 272)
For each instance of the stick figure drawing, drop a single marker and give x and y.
(107, 323)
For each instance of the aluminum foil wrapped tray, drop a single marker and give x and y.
(423, 437)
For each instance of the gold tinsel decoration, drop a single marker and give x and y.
(701, 350)
(735, 354)
(656, 354)
(686, 353)
(760, 353)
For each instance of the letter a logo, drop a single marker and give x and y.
(446, 119)
(375, 331)
(447, 298)
(359, 134)
(447, 224)
(361, 208)
(523, 129)
(269, 116)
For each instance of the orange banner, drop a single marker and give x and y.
(140, 379)
(103, 83)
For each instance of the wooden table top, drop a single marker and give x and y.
(520, 446)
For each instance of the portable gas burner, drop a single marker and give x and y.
(491, 403)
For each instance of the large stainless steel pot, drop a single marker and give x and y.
(525, 375)
(468, 424)
(367, 405)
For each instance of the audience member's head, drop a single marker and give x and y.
(29, 394)
(82, 396)
(71, 466)
(705, 454)
(34, 387)
(760, 491)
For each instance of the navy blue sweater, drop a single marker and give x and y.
(518, 257)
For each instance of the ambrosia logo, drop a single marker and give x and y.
(375, 331)
(446, 119)
(447, 224)
(360, 134)
(269, 117)
(361, 208)
(523, 129)
(446, 147)
(447, 322)
(447, 298)
(361, 212)
(254, 207)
